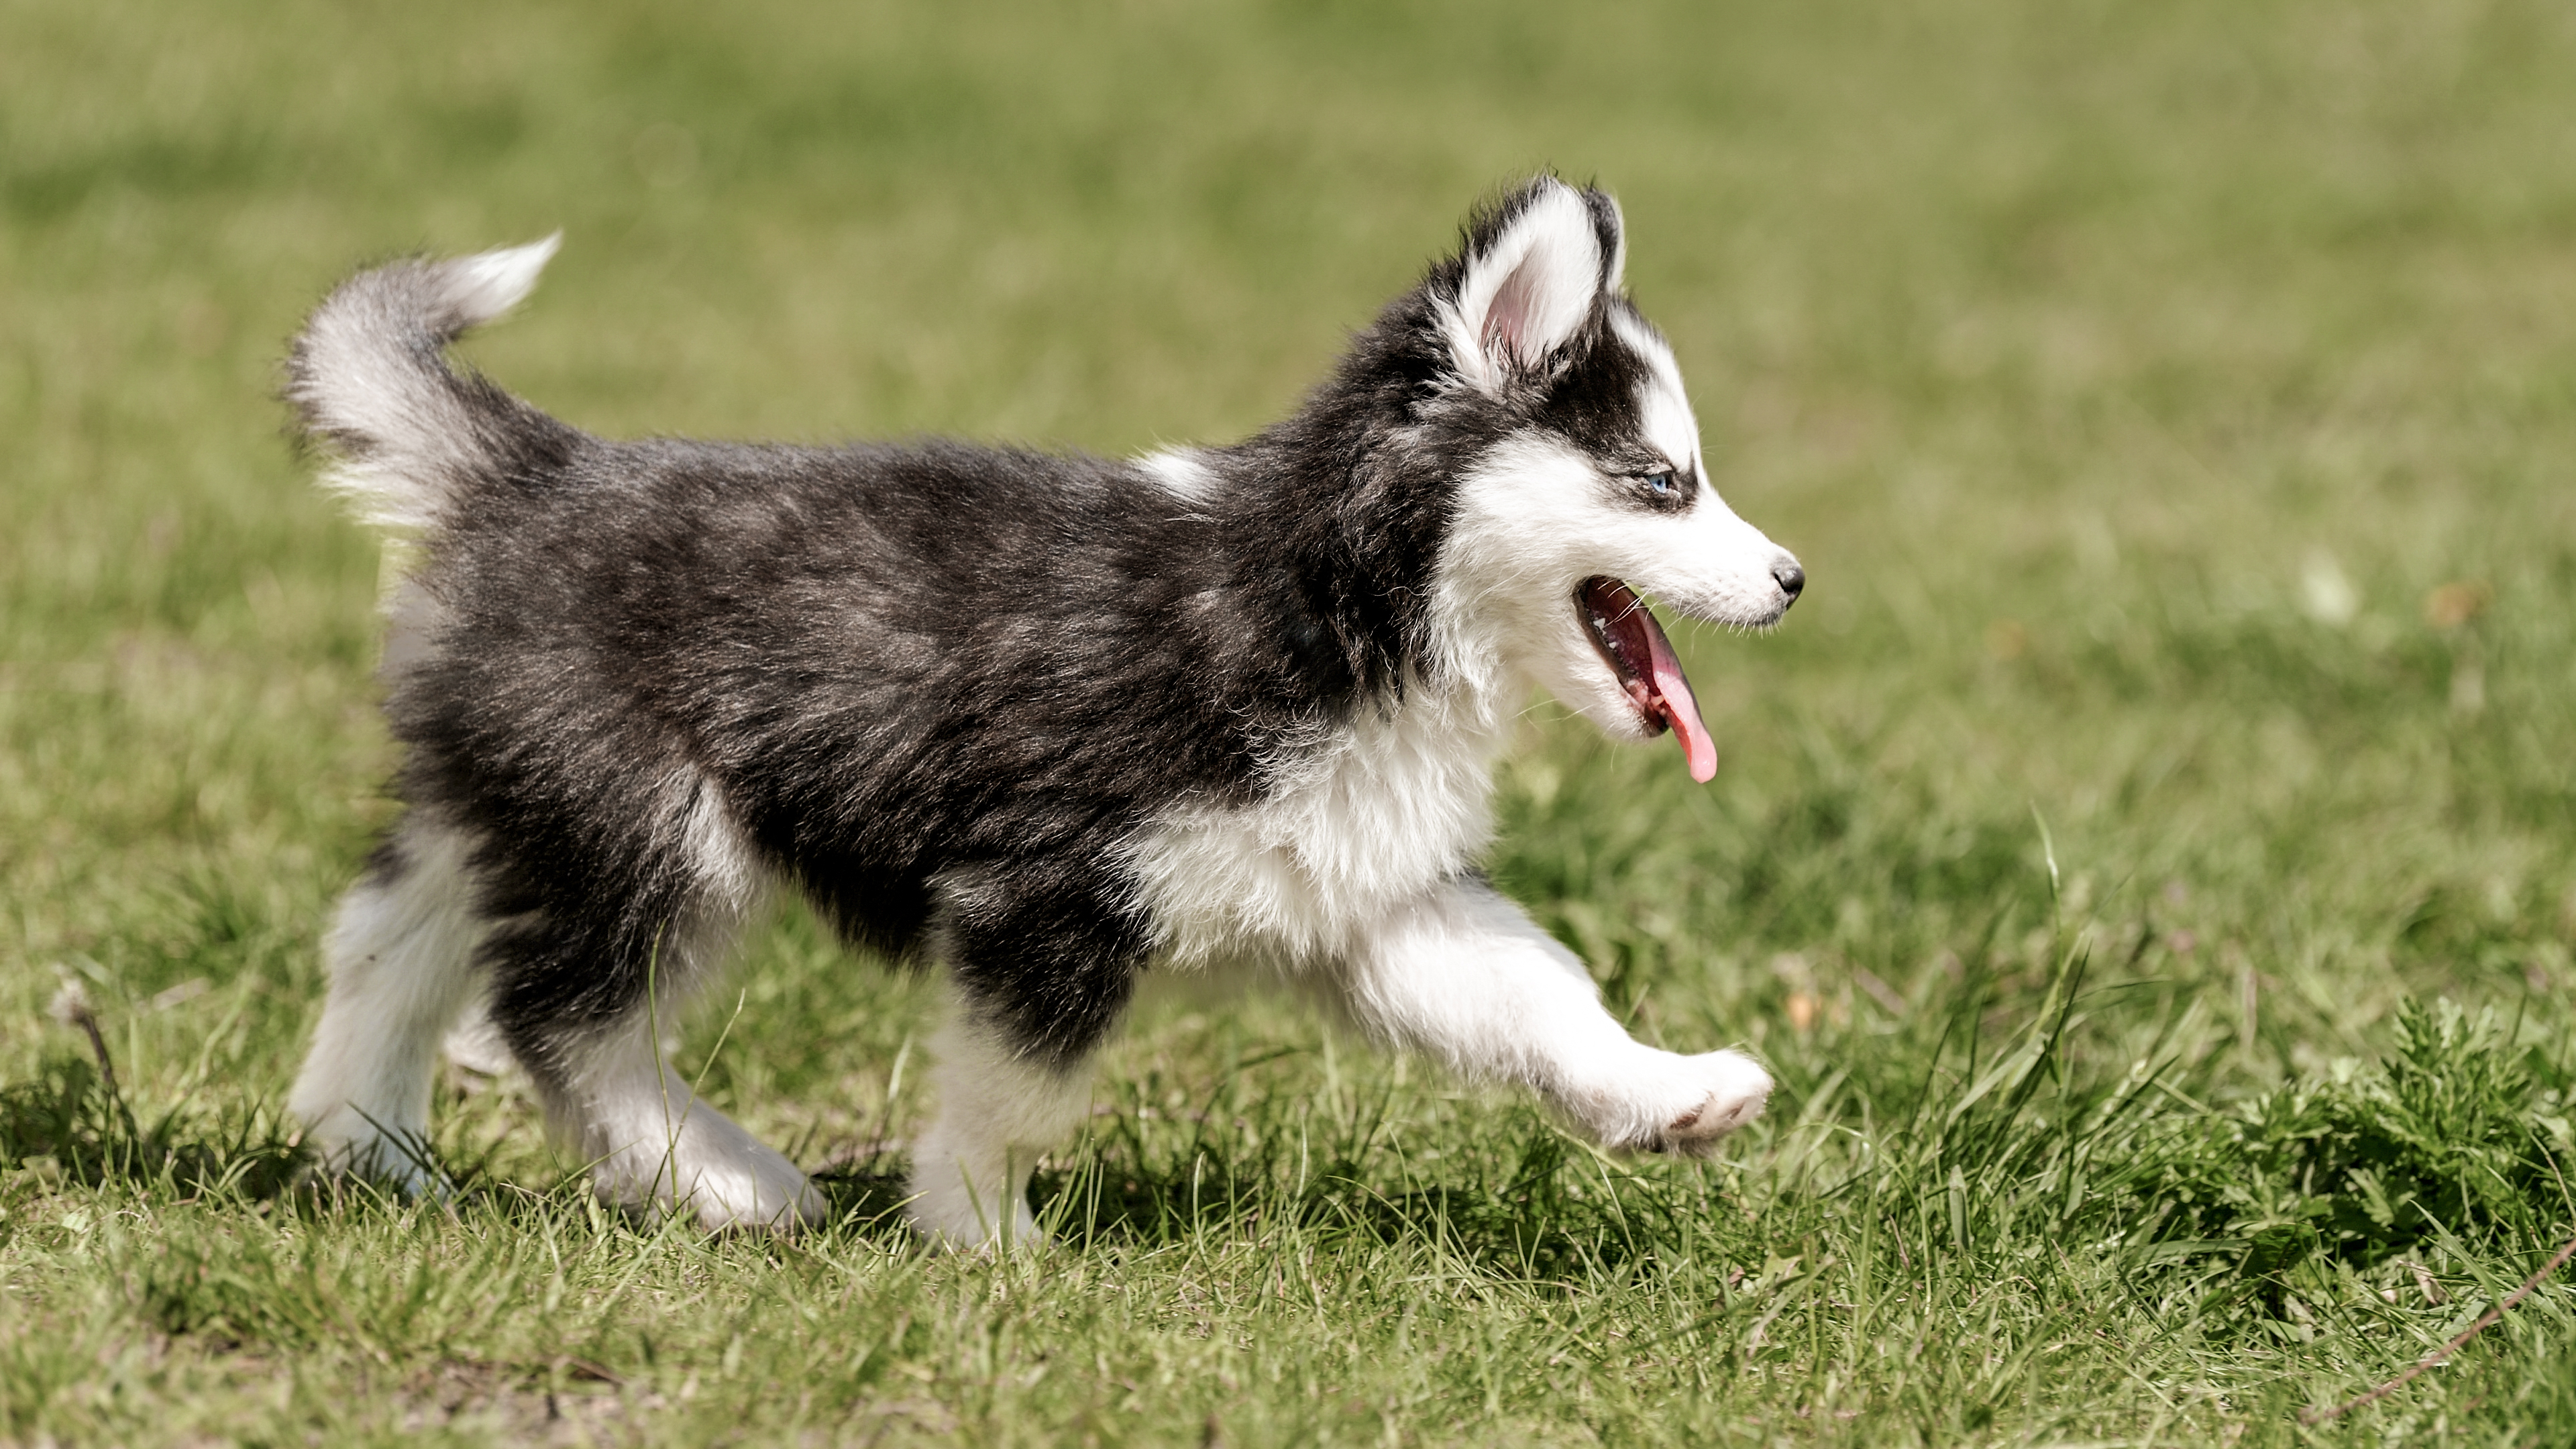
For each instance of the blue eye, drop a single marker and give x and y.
(1661, 483)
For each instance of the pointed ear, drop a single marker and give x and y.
(1530, 279)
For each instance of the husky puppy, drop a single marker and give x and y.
(1049, 720)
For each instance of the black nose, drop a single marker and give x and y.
(1792, 578)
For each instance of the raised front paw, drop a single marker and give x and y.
(1663, 1102)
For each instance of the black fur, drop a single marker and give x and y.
(936, 685)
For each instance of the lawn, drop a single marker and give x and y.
(2145, 857)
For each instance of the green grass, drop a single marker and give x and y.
(2174, 406)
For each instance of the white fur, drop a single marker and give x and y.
(726, 869)
(1347, 880)
(1181, 472)
(1536, 520)
(653, 1146)
(1350, 876)
(416, 432)
(1463, 977)
(401, 959)
(998, 1112)
(475, 1042)
(728, 883)
(1664, 408)
(1529, 292)
(402, 974)
(1348, 870)
(414, 619)
(1374, 814)
(488, 284)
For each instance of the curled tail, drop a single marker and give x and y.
(370, 381)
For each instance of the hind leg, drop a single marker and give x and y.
(585, 984)
(475, 1044)
(401, 955)
(654, 1147)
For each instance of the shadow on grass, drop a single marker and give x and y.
(1529, 1226)
(1123, 1193)
(868, 1195)
(66, 1122)
(73, 1129)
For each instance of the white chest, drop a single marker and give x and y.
(1372, 815)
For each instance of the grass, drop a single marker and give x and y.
(2146, 858)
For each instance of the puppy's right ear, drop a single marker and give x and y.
(1528, 281)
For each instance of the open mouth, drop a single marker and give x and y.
(1642, 660)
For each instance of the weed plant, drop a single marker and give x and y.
(2144, 857)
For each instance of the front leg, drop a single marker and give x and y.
(1000, 1109)
(1039, 979)
(1465, 978)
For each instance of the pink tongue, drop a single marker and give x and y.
(1681, 710)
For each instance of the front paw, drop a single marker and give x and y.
(345, 1147)
(948, 1211)
(1674, 1104)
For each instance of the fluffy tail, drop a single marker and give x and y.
(371, 383)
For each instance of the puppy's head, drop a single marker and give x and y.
(1584, 487)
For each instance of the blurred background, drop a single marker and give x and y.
(2173, 405)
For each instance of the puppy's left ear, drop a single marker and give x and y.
(1532, 275)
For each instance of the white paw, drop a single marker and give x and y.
(345, 1144)
(1662, 1102)
(963, 1224)
(768, 1197)
(971, 1196)
(718, 1173)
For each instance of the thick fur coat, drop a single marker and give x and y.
(1047, 721)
